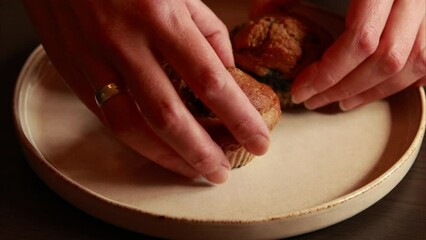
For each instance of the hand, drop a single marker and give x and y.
(94, 43)
(381, 52)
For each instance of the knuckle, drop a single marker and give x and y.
(327, 80)
(203, 160)
(393, 61)
(219, 28)
(243, 129)
(210, 85)
(165, 118)
(367, 41)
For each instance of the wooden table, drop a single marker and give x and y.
(30, 210)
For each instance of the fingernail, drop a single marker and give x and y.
(302, 94)
(220, 175)
(257, 144)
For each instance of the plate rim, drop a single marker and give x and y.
(37, 56)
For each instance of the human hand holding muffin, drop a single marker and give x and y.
(126, 42)
(261, 96)
(115, 50)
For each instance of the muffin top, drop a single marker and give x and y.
(279, 43)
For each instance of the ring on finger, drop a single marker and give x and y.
(108, 91)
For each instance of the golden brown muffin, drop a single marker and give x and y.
(260, 95)
(275, 48)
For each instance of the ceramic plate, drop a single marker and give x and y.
(322, 167)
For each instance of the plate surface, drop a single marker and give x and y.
(322, 167)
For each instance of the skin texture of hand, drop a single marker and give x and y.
(93, 43)
(382, 51)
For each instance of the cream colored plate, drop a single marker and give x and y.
(322, 167)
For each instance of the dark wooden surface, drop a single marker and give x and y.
(30, 210)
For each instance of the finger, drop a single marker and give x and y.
(365, 23)
(212, 83)
(161, 108)
(413, 72)
(125, 121)
(213, 30)
(120, 114)
(395, 46)
(167, 116)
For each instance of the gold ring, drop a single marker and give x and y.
(106, 92)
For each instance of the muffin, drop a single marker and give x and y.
(260, 95)
(274, 49)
